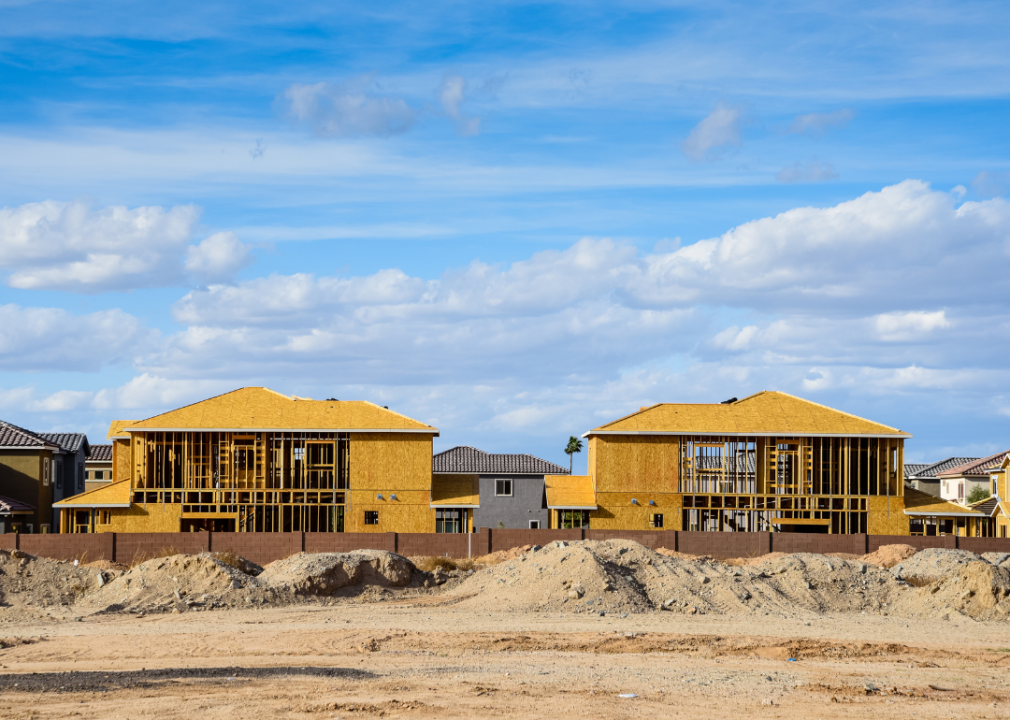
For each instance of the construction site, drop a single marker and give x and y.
(613, 627)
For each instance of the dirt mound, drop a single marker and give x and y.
(178, 581)
(933, 564)
(887, 556)
(619, 576)
(997, 558)
(325, 573)
(27, 581)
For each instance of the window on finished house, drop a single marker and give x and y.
(960, 491)
(534, 524)
(371, 517)
(503, 488)
(80, 476)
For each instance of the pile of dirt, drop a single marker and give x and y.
(322, 574)
(209, 580)
(620, 576)
(887, 556)
(27, 581)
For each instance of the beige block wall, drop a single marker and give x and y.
(390, 463)
(887, 519)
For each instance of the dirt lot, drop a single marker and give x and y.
(416, 652)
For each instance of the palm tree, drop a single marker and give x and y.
(574, 446)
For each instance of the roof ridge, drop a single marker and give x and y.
(29, 433)
(381, 407)
(811, 402)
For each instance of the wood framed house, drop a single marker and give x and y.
(770, 462)
(254, 460)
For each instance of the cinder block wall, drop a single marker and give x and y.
(264, 548)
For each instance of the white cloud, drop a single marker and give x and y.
(217, 258)
(898, 326)
(816, 124)
(451, 94)
(991, 184)
(717, 131)
(61, 401)
(157, 394)
(346, 109)
(53, 339)
(72, 247)
(735, 338)
(811, 171)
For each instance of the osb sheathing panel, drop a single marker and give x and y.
(455, 490)
(390, 461)
(116, 430)
(392, 518)
(121, 464)
(403, 497)
(765, 412)
(261, 408)
(152, 518)
(879, 522)
(570, 491)
(617, 513)
(117, 492)
(637, 463)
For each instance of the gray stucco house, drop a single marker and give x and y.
(510, 489)
(68, 466)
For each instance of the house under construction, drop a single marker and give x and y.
(769, 462)
(254, 460)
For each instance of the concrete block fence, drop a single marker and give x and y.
(263, 548)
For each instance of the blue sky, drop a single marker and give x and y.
(516, 221)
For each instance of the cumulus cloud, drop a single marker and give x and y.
(73, 247)
(816, 124)
(53, 339)
(451, 95)
(217, 258)
(991, 184)
(721, 129)
(346, 109)
(812, 171)
(898, 326)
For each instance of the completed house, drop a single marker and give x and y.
(472, 489)
(36, 470)
(98, 468)
(956, 483)
(923, 476)
(257, 460)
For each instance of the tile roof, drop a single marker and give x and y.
(257, 408)
(464, 459)
(101, 453)
(14, 436)
(987, 506)
(9, 506)
(930, 470)
(69, 442)
(975, 467)
(764, 413)
(570, 492)
(913, 469)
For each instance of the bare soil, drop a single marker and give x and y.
(360, 636)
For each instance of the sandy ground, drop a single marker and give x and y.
(423, 659)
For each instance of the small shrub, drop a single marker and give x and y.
(978, 494)
(142, 557)
(432, 562)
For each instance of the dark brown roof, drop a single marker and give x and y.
(929, 471)
(69, 442)
(987, 506)
(14, 436)
(471, 460)
(101, 453)
(976, 467)
(10, 507)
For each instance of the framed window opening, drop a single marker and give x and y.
(371, 517)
